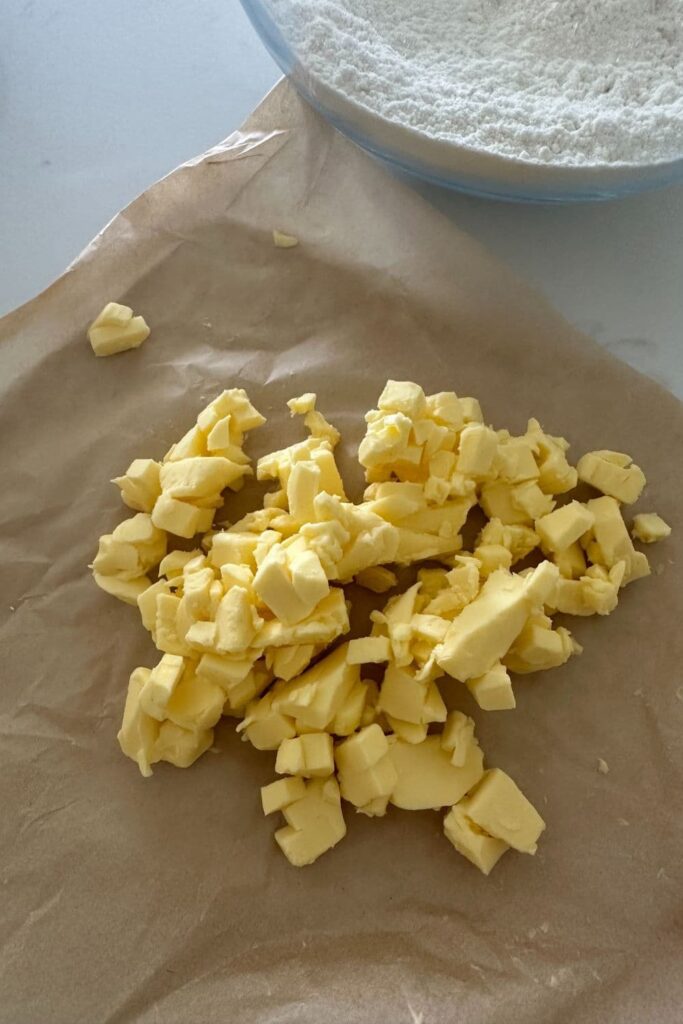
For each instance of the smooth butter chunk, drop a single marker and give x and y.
(377, 578)
(457, 736)
(116, 330)
(493, 691)
(264, 726)
(281, 240)
(477, 450)
(500, 809)
(613, 474)
(426, 777)
(648, 528)
(368, 650)
(140, 485)
(363, 750)
(138, 732)
(315, 823)
(472, 842)
(127, 591)
(281, 793)
(160, 684)
(181, 747)
(563, 527)
(483, 632)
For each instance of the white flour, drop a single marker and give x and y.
(571, 82)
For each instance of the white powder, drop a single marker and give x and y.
(569, 82)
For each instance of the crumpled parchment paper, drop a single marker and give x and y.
(166, 900)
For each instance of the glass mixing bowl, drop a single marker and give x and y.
(444, 163)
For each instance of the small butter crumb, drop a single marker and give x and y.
(623, 822)
(283, 241)
(603, 767)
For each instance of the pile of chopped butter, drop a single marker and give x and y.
(245, 621)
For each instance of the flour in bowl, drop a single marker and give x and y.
(571, 82)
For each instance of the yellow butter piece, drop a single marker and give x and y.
(127, 591)
(140, 486)
(264, 727)
(160, 684)
(571, 562)
(350, 716)
(410, 732)
(445, 407)
(282, 792)
(281, 240)
(376, 782)
(538, 648)
(315, 823)
(492, 557)
(315, 697)
(487, 627)
(457, 736)
(648, 528)
(612, 536)
(181, 747)
(477, 450)
(232, 548)
(116, 330)
(499, 807)
(426, 777)
(368, 650)
(493, 690)
(237, 622)
(289, 662)
(472, 842)
(619, 479)
(138, 732)
(515, 462)
(378, 579)
(198, 477)
(180, 517)
(362, 751)
(402, 696)
(174, 562)
(563, 527)
(309, 755)
(196, 703)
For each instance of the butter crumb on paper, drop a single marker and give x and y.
(603, 767)
(281, 240)
(116, 329)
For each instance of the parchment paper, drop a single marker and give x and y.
(166, 900)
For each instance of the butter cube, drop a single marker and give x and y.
(499, 807)
(309, 755)
(402, 695)
(192, 443)
(196, 477)
(264, 727)
(537, 649)
(289, 662)
(233, 548)
(349, 716)
(457, 736)
(493, 690)
(181, 747)
(226, 671)
(315, 823)
(402, 396)
(445, 407)
(492, 557)
(410, 732)
(302, 487)
(648, 528)
(140, 486)
(236, 622)
(116, 330)
(138, 732)
(563, 527)
(529, 498)
(471, 410)
(174, 562)
(161, 683)
(426, 777)
(480, 849)
(368, 650)
(571, 562)
(316, 696)
(477, 450)
(196, 703)
(612, 536)
(515, 461)
(273, 584)
(180, 517)
(374, 783)
(362, 751)
(377, 578)
(376, 808)
(485, 629)
(281, 793)
(613, 474)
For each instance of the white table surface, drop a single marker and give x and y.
(98, 98)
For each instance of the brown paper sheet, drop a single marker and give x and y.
(166, 900)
